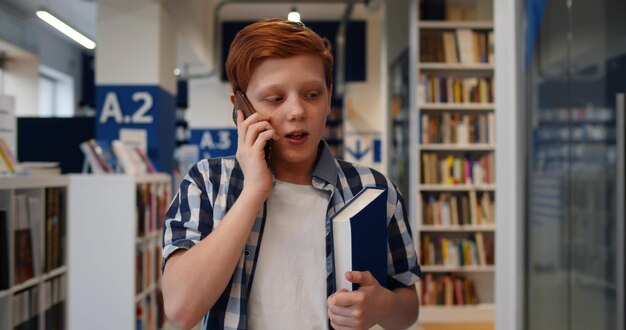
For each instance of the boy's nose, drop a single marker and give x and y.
(296, 109)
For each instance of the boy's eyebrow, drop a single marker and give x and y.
(263, 88)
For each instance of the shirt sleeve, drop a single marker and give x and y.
(190, 215)
(404, 267)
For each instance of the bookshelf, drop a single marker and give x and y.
(33, 263)
(118, 220)
(455, 162)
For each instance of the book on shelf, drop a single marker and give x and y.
(91, 159)
(447, 290)
(472, 250)
(35, 217)
(4, 250)
(41, 168)
(359, 236)
(129, 159)
(457, 128)
(145, 159)
(24, 268)
(9, 163)
(104, 153)
(451, 89)
(446, 209)
(54, 302)
(54, 231)
(452, 169)
(26, 309)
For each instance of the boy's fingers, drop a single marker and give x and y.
(362, 278)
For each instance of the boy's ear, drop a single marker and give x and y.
(232, 98)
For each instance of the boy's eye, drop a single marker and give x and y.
(274, 99)
(312, 94)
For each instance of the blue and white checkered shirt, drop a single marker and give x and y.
(212, 186)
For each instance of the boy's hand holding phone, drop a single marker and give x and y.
(255, 135)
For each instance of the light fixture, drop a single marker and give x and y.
(294, 15)
(66, 29)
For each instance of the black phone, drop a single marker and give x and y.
(242, 103)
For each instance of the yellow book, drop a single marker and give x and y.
(444, 251)
(449, 167)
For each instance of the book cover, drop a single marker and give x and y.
(359, 236)
(104, 153)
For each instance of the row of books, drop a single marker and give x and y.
(453, 209)
(457, 128)
(4, 250)
(450, 169)
(117, 156)
(54, 297)
(460, 46)
(55, 221)
(475, 250)
(26, 309)
(26, 230)
(447, 290)
(148, 269)
(150, 312)
(450, 89)
(152, 204)
(38, 237)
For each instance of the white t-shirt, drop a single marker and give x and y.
(289, 286)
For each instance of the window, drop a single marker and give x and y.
(56, 93)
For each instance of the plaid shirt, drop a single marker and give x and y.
(212, 186)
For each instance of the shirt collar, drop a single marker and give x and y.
(326, 168)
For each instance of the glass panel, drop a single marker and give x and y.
(597, 57)
(548, 168)
(575, 68)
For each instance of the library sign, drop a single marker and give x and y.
(214, 142)
(363, 148)
(139, 107)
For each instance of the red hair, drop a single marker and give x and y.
(270, 39)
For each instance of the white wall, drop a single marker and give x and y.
(21, 80)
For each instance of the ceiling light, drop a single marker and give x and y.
(66, 29)
(294, 15)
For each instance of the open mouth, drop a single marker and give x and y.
(296, 135)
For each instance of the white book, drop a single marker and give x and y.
(465, 39)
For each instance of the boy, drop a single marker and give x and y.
(260, 228)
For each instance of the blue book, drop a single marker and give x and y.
(359, 237)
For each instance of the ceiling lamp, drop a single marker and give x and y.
(66, 29)
(294, 15)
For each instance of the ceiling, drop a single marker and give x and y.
(194, 19)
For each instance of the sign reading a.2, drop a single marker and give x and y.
(111, 109)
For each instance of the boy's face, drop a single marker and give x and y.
(293, 92)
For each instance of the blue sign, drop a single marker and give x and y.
(215, 142)
(147, 107)
(363, 147)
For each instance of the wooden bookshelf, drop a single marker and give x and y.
(455, 192)
(33, 284)
(122, 239)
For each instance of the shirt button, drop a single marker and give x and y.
(246, 252)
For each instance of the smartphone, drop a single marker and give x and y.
(242, 103)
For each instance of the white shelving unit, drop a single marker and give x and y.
(107, 236)
(482, 314)
(40, 296)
